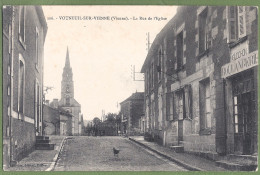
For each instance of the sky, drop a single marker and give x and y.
(101, 51)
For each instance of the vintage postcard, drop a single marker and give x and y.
(130, 88)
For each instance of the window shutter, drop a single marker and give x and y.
(190, 102)
(241, 21)
(180, 105)
(232, 30)
(188, 99)
(171, 116)
(169, 106)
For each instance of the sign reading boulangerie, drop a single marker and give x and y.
(239, 65)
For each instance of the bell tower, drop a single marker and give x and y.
(67, 85)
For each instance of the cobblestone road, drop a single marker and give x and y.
(95, 154)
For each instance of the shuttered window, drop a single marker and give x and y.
(21, 87)
(236, 22)
(232, 23)
(203, 30)
(180, 50)
(188, 101)
(205, 107)
(241, 21)
(22, 22)
(170, 106)
(180, 105)
(159, 66)
(37, 46)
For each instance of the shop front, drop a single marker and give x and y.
(240, 76)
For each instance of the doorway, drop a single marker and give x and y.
(242, 123)
(243, 110)
(180, 132)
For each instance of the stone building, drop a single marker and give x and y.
(201, 81)
(131, 111)
(67, 101)
(56, 121)
(24, 31)
(65, 123)
(51, 120)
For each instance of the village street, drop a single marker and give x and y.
(96, 154)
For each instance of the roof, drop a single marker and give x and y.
(42, 19)
(64, 112)
(135, 96)
(166, 30)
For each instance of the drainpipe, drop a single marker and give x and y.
(11, 86)
(225, 116)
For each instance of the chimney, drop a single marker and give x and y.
(55, 103)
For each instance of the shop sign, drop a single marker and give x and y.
(239, 52)
(240, 64)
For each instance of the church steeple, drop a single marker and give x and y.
(67, 63)
(67, 85)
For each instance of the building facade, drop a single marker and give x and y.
(67, 101)
(131, 111)
(24, 31)
(56, 121)
(51, 121)
(65, 123)
(201, 81)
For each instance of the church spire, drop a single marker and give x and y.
(67, 63)
(67, 86)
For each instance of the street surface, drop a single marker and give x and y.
(85, 153)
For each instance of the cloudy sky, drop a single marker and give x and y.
(101, 51)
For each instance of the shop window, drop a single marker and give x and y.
(236, 23)
(205, 107)
(203, 31)
(237, 124)
(180, 51)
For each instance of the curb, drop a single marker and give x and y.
(237, 167)
(55, 159)
(178, 162)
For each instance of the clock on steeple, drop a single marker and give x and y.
(67, 89)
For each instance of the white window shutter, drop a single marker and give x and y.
(232, 29)
(241, 11)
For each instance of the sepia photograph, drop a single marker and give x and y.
(129, 88)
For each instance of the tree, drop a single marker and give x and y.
(110, 117)
(96, 121)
